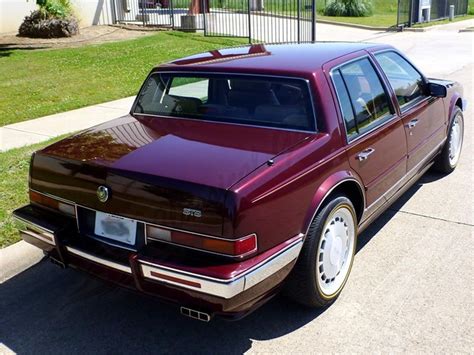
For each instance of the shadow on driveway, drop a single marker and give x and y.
(49, 310)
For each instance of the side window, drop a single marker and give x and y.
(345, 105)
(360, 89)
(404, 79)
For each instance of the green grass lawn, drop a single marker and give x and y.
(385, 15)
(42, 82)
(14, 166)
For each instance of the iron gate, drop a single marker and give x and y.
(416, 11)
(261, 21)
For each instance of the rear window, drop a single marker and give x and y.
(251, 100)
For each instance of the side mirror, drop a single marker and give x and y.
(437, 90)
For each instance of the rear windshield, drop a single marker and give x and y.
(251, 100)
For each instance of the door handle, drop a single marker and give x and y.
(364, 155)
(412, 123)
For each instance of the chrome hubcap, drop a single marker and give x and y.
(335, 251)
(455, 141)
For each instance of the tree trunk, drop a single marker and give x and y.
(198, 7)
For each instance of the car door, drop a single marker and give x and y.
(376, 144)
(423, 116)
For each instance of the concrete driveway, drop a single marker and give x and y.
(411, 288)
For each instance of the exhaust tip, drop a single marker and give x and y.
(192, 313)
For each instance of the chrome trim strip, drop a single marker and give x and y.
(273, 265)
(399, 184)
(39, 236)
(226, 288)
(153, 72)
(33, 225)
(299, 236)
(34, 230)
(404, 188)
(98, 260)
(406, 108)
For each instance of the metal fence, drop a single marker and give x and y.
(417, 11)
(261, 21)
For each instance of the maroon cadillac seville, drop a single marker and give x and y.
(243, 171)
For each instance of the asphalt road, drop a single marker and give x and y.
(411, 289)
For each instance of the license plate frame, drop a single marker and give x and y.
(116, 228)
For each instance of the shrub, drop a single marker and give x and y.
(55, 8)
(350, 8)
(52, 19)
(40, 25)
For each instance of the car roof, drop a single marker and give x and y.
(263, 58)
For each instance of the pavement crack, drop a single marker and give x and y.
(431, 217)
(23, 131)
(110, 107)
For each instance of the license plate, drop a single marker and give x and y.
(120, 229)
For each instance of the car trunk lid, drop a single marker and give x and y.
(155, 169)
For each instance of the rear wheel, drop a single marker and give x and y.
(325, 261)
(447, 161)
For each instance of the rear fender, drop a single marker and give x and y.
(324, 191)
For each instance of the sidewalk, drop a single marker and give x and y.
(43, 128)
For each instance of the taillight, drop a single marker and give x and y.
(52, 203)
(237, 248)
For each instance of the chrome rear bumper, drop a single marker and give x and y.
(225, 288)
(34, 230)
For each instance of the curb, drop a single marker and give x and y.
(140, 28)
(466, 30)
(417, 29)
(16, 258)
(354, 25)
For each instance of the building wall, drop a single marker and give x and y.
(93, 12)
(12, 13)
(88, 12)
